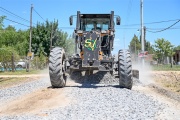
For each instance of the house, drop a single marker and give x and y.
(148, 58)
(176, 57)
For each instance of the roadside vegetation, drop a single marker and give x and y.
(14, 44)
(162, 52)
(165, 68)
(21, 72)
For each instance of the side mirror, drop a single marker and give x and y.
(71, 20)
(118, 20)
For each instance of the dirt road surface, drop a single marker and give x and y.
(36, 99)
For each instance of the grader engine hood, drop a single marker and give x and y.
(91, 49)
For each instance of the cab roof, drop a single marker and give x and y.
(95, 15)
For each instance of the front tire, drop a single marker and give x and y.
(56, 67)
(125, 69)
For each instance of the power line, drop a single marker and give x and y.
(14, 14)
(164, 28)
(152, 22)
(149, 28)
(38, 14)
(16, 22)
(7, 12)
(126, 28)
(127, 19)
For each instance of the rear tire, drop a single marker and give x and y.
(125, 69)
(57, 67)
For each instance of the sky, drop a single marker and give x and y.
(129, 11)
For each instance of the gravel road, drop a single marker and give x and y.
(85, 100)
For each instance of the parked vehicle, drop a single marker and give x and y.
(20, 64)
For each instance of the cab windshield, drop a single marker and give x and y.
(88, 24)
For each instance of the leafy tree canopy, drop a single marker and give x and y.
(1, 22)
(163, 48)
(177, 47)
(135, 44)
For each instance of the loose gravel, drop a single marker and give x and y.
(13, 93)
(105, 102)
(93, 101)
(97, 78)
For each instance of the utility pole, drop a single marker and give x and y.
(135, 50)
(142, 33)
(30, 39)
(51, 37)
(144, 37)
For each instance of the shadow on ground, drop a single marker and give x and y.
(96, 80)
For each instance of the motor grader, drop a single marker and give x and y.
(94, 39)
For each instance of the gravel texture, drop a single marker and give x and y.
(93, 101)
(96, 78)
(108, 102)
(12, 93)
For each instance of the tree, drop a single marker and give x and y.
(1, 22)
(149, 47)
(6, 56)
(22, 45)
(41, 37)
(17, 39)
(42, 34)
(10, 38)
(162, 48)
(177, 47)
(171, 53)
(135, 45)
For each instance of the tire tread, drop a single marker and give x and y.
(125, 69)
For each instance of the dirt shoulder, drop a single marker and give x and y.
(35, 102)
(12, 80)
(169, 80)
(172, 106)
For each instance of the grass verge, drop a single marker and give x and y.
(20, 72)
(166, 68)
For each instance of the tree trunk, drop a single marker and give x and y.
(171, 61)
(12, 62)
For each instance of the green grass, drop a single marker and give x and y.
(166, 68)
(20, 72)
